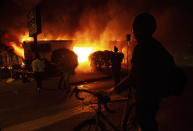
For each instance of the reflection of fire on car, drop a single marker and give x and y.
(101, 60)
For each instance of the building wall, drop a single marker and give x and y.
(9, 59)
(45, 48)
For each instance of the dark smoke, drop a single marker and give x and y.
(109, 19)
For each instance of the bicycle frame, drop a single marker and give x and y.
(100, 115)
(102, 100)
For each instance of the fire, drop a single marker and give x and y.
(25, 38)
(83, 53)
(22, 64)
(83, 47)
(18, 50)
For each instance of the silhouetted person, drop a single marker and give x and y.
(38, 67)
(151, 63)
(150, 68)
(116, 60)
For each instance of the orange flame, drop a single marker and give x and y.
(83, 43)
(83, 53)
(18, 50)
(83, 49)
(25, 37)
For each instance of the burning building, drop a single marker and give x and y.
(82, 49)
(8, 58)
(45, 48)
(101, 21)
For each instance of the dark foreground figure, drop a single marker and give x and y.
(151, 66)
(116, 60)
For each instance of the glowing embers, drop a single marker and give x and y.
(83, 53)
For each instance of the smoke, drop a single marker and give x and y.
(97, 20)
(27, 3)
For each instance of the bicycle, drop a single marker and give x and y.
(96, 123)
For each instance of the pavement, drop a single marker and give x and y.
(175, 114)
(51, 83)
(22, 109)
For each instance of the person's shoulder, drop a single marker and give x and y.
(161, 49)
(157, 44)
(33, 61)
(36, 61)
(120, 54)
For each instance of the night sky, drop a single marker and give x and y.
(113, 18)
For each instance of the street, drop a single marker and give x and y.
(21, 105)
(22, 108)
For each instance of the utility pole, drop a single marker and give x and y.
(35, 44)
(34, 25)
(128, 41)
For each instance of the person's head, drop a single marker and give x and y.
(115, 49)
(144, 26)
(37, 56)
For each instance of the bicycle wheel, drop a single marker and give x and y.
(130, 123)
(90, 125)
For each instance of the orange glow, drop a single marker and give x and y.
(83, 48)
(84, 43)
(83, 53)
(18, 50)
(22, 64)
(25, 38)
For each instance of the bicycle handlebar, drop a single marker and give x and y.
(102, 99)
